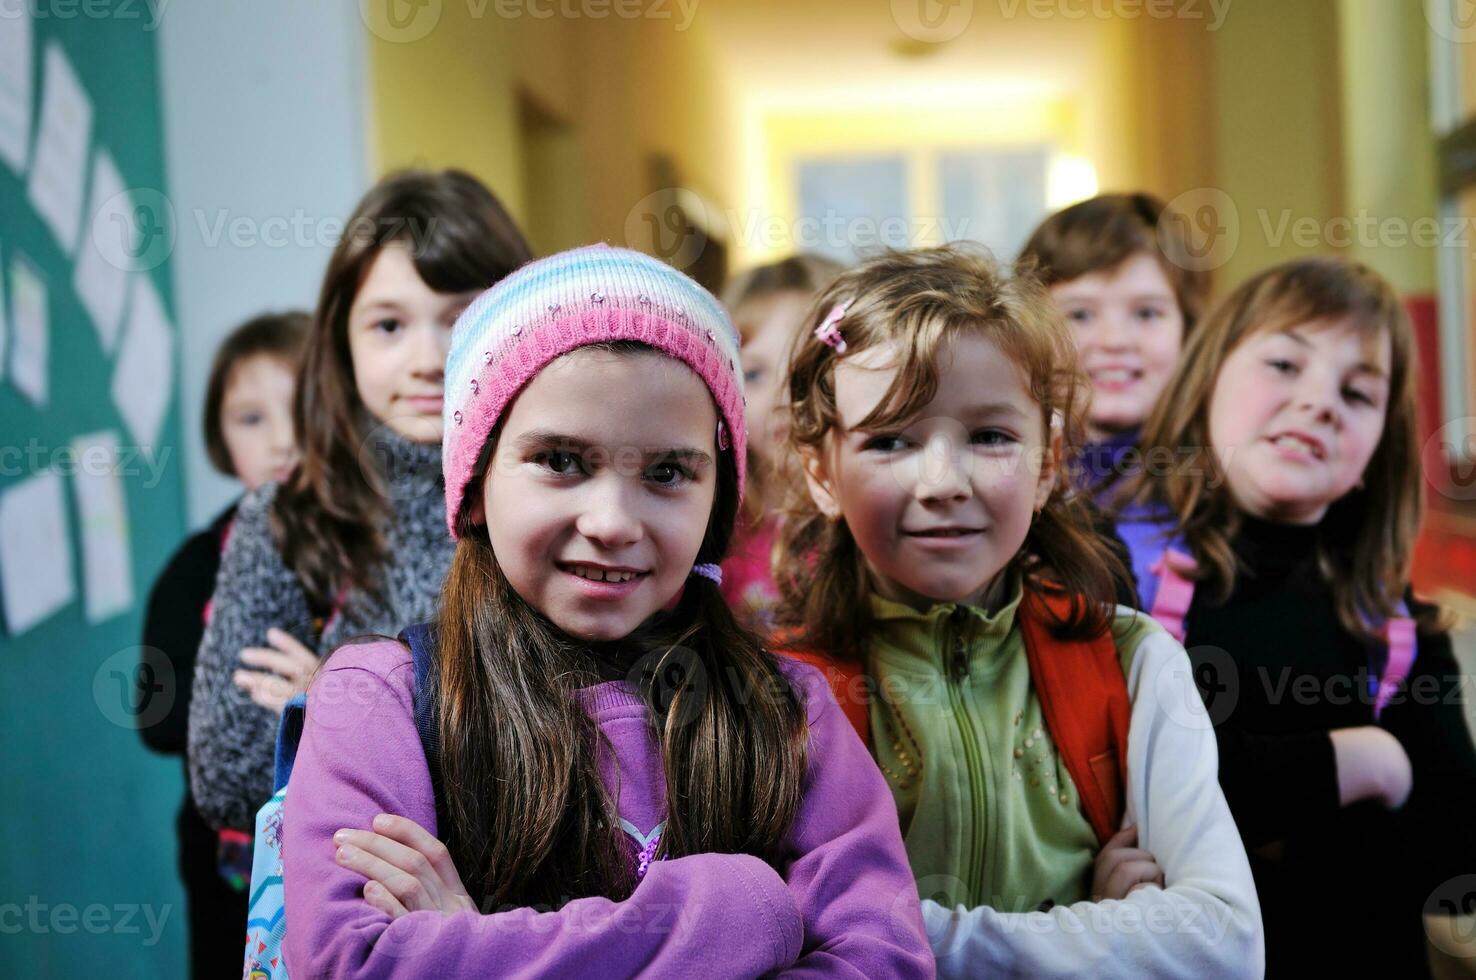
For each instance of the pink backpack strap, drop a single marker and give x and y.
(1175, 591)
(225, 539)
(336, 612)
(1399, 634)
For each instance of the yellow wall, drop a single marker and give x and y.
(449, 98)
(652, 90)
(1278, 145)
(625, 89)
(1389, 146)
(1255, 110)
(1159, 119)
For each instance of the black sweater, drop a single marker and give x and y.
(173, 626)
(1342, 889)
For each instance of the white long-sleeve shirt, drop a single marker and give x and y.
(1205, 922)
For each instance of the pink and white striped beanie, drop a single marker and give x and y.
(573, 299)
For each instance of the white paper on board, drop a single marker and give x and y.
(29, 320)
(102, 522)
(143, 377)
(35, 551)
(15, 86)
(57, 169)
(101, 277)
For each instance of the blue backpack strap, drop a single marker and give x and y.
(289, 734)
(421, 639)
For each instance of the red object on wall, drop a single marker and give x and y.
(1444, 560)
(1445, 553)
(1424, 315)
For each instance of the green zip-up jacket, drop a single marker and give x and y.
(992, 821)
(984, 798)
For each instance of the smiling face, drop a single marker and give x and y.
(399, 331)
(1129, 329)
(939, 506)
(1296, 416)
(256, 420)
(599, 491)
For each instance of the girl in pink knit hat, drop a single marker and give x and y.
(618, 778)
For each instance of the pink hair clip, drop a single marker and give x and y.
(829, 331)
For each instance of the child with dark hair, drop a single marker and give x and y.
(1120, 269)
(352, 541)
(248, 435)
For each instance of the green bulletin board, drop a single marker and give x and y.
(88, 877)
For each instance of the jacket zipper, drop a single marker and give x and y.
(975, 756)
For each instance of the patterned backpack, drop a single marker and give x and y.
(266, 917)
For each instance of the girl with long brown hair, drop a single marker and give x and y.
(628, 781)
(1277, 540)
(351, 541)
(1050, 793)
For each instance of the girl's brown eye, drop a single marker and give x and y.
(559, 462)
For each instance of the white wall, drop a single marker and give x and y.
(265, 109)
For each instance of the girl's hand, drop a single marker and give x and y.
(1372, 765)
(288, 666)
(1120, 867)
(408, 869)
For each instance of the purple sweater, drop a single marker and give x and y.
(846, 904)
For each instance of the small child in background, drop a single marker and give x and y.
(630, 784)
(768, 304)
(1054, 793)
(352, 541)
(1280, 555)
(1118, 266)
(248, 435)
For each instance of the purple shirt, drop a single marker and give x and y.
(846, 904)
(1103, 464)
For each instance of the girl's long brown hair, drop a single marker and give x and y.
(1366, 539)
(917, 301)
(530, 821)
(327, 516)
